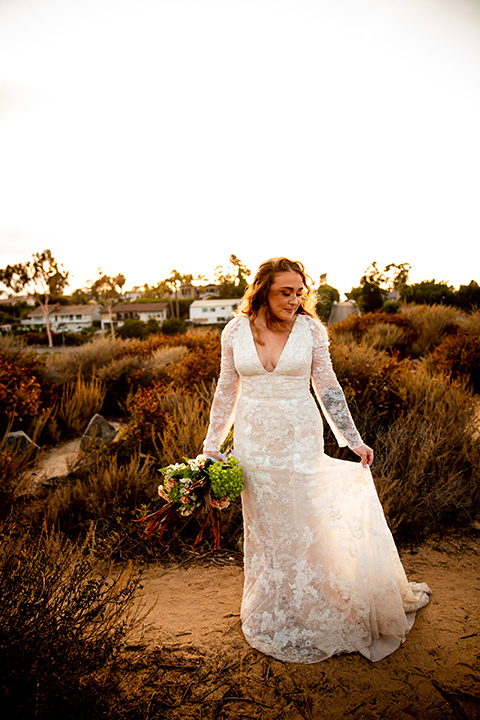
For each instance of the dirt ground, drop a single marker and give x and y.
(194, 664)
(197, 665)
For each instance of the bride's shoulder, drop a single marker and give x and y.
(233, 325)
(317, 329)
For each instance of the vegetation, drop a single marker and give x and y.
(42, 275)
(411, 379)
(410, 368)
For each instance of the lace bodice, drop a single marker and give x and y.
(305, 357)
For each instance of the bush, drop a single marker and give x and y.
(104, 491)
(62, 621)
(459, 356)
(173, 326)
(369, 379)
(428, 457)
(21, 394)
(354, 328)
(81, 399)
(431, 323)
(131, 329)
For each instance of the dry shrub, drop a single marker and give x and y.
(16, 466)
(81, 399)
(21, 396)
(470, 323)
(201, 364)
(428, 459)
(104, 492)
(85, 360)
(431, 322)
(369, 380)
(186, 424)
(63, 618)
(168, 355)
(459, 356)
(397, 331)
(383, 336)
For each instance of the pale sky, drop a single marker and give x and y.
(141, 136)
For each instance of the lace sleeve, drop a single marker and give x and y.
(328, 391)
(226, 394)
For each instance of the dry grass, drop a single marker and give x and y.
(383, 336)
(81, 399)
(168, 355)
(84, 360)
(428, 459)
(185, 429)
(430, 322)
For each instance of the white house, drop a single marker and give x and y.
(71, 318)
(134, 311)
(214, 311)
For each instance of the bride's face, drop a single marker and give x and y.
(285, 295)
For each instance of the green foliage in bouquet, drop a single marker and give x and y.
(199, 487)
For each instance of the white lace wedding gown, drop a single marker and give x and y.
(322, 573)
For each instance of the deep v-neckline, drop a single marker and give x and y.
(271, 372)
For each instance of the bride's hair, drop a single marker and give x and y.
(256, 295)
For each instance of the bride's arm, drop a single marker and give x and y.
(226, 396)
(331, 396)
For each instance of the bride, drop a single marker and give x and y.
(322, 573)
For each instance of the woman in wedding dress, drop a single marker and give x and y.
(322, 573)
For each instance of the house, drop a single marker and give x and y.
(214, 311)
(73, 318)
(12, 300)
(70, 318)
(134, 311)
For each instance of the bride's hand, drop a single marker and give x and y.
(366, 455)
(219, 457)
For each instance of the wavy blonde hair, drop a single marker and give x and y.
(256, 295)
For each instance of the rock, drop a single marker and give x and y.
(98, 431)
(19, 442)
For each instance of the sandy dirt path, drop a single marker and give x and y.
(207, 670)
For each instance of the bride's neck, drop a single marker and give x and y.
(261, 322)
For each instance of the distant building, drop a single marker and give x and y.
(133, 294)
(70, 318)
(14, 299)
(134, 311)
(213, 312)
(342, 310)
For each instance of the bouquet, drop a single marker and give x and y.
(200, 487)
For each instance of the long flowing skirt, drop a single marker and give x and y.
(322, 573)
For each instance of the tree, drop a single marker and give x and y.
(107, 291)
(42, 277)
(375, 284)
(233, 281)
(430, 292)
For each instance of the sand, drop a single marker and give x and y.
(193, 662)
(201, 667)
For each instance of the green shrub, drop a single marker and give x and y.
(173, 326)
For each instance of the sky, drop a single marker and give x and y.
(142, 136)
